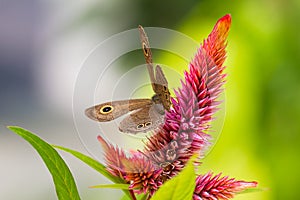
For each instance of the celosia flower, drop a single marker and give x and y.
(209, 187)
(195, 103)
(137, 170)
(184, 132)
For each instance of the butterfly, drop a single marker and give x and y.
(145, 114)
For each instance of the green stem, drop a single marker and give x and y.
(132, 194)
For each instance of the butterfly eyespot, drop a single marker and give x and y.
(164, 164)
(106, 109)
(140, 126)
(174, 144)
(148, 123)
(171, 154)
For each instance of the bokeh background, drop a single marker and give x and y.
(43, 43)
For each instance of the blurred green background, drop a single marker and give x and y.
(260, 139)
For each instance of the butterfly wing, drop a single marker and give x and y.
(143, 120)
(160, 76)
(161, 88)
(158, 81)
(147, 114)
(111, 110)
(147, 54)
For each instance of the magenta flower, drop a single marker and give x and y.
(209, 187)
(185, 131)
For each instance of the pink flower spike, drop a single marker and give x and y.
(209, 187)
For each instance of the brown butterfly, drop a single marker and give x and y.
(145, 114)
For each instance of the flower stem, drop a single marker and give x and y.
(132, 194)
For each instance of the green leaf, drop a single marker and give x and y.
(92, 163)
(63, 180)
(138, 197)
(113, 186)
(95, 165)
(180, 187)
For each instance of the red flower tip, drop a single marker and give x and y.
(225, 19)
(223, 24)
(215, 43)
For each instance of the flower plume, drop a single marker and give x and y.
(210, 187)
(185, 131)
